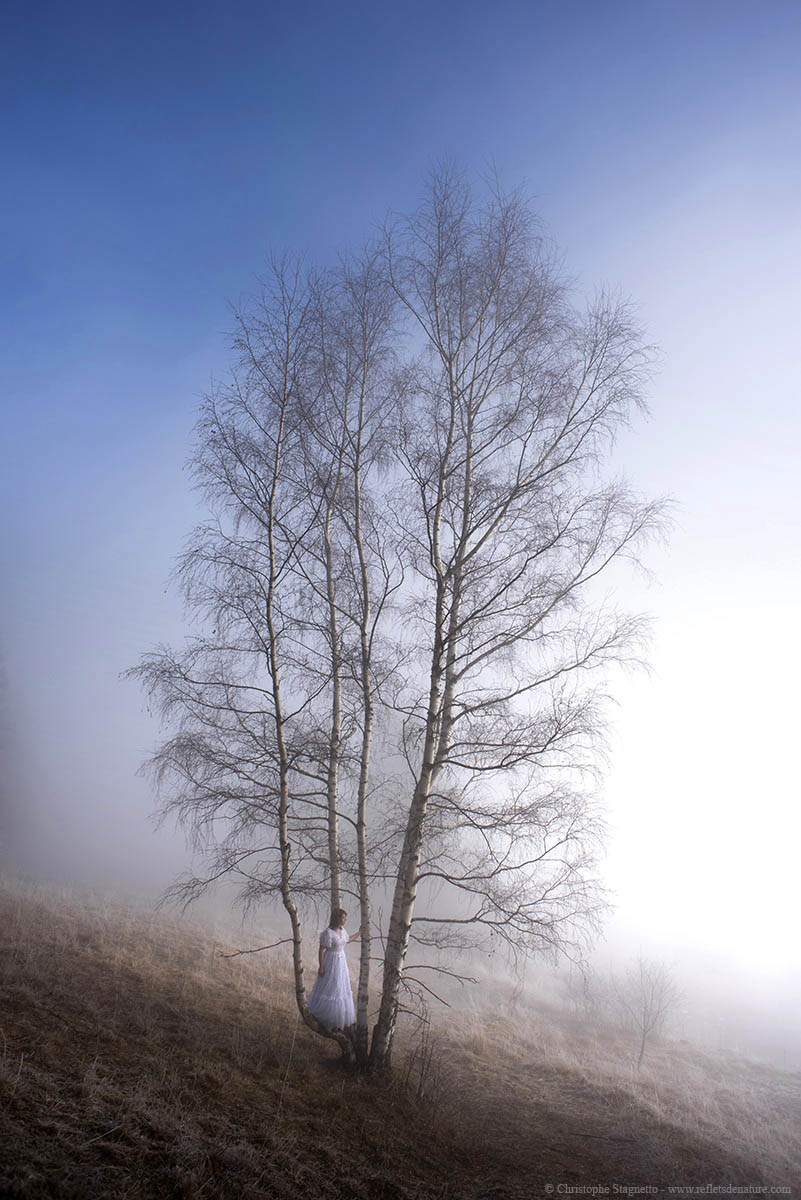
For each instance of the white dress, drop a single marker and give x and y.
(331, 998)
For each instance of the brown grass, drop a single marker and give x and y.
(135, 1061)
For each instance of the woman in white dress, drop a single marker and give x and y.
(331, 998)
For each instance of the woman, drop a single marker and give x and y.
(331, 998)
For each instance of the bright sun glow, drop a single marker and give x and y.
(705, 812)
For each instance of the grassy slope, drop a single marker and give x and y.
(136, 1062)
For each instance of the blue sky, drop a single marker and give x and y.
(153, 156)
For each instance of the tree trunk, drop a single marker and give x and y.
(408, 869)
(363, 991)
(335, 741)
(406, 883)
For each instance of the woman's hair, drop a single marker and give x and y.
(337, 916)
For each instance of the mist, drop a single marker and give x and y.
(662, 148)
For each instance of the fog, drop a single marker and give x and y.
(672, 172)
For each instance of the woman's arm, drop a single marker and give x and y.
(321, 968)
(353, 936)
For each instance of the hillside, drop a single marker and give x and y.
(138, 1062)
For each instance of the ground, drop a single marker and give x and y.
(137, 1061)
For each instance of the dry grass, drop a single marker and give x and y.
(135, 1061)
(687, 1117)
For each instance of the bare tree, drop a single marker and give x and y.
(275, 704)
(411, 517)
(646, 995)
(508, 523)
(348, 428)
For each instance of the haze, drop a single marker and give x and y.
(151, 163)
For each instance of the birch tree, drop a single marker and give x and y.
(406, 469)
(348, 430)
(270, 766)
(509, 524)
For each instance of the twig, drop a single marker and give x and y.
(463, 979)
(288, 1065)
(106, 1133)
(257, 950)
(407, 980)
